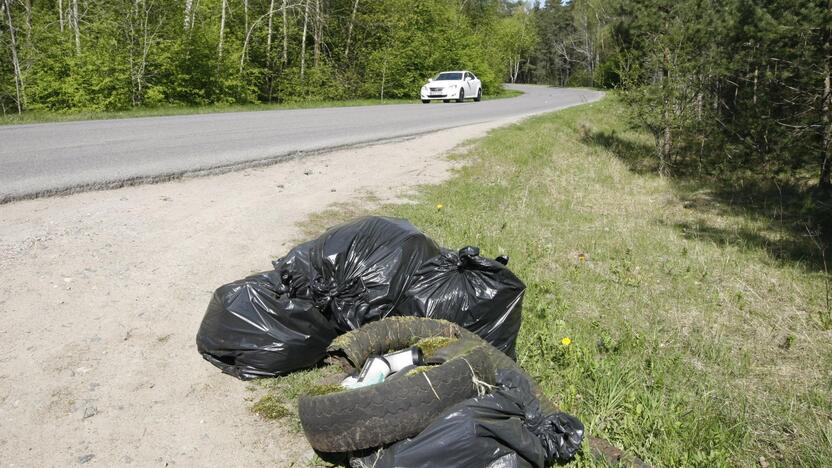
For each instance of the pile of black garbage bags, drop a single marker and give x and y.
(280, 321)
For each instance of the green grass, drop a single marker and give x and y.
(39, 116)
(271, 407)
(281, 393)
(690, 344)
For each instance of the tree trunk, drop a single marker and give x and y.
(27, 6)
(18, 78)
(588, 50)
(513, 68)
(383, 75)
(245, 14)
(269, 35)
(318, 33)
(148, 39)
(244, 53)
(349, 30)
(189, 5)
(61, 14)
(826, 147)
(667, 141)
(285, 34)
(222, 32)
(75, 24)
(303, 41)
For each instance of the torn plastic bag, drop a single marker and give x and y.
(480, 294)
(357, 272)
(250, 330)
(504, 429)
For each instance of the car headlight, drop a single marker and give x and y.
(453, 86)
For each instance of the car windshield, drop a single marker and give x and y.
(449, 77)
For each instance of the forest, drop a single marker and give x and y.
(116, 54)
(734, 89)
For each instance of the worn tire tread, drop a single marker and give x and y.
(391, 411)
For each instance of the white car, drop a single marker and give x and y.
(452, 85)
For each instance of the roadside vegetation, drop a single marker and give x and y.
(724, 89)
(684, 326)
(103, 56)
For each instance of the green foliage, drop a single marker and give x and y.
(675, 334)
(138, 53)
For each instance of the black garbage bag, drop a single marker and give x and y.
(357, 272)
(503, 429)
(294, 271)
(253, 329)
(480, 294)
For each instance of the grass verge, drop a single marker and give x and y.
(30, 117)
(684, 348)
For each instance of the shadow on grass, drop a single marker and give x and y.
(797, 221)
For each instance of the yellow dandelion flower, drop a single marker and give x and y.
(566, 341)
(440, 206)
(581, 258)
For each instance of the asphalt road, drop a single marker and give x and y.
(54, 158)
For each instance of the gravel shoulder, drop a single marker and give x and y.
(102, 292)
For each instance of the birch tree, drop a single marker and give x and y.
(269, 34)
(189, 5)
(222, 32)
(27, 12)
(245, 14)
(142, 37)
(303, 40)
(61, 15)
(75, 20)
(18, 77)
(349, 29)
(285, 33)
(318, 33)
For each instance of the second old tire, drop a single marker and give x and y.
(372, 416)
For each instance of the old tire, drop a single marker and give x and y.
(352, 349)
(391, 411)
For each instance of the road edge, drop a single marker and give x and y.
(225, 168)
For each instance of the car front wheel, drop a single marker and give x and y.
(461, 96)
(425, 101)
(479, 95)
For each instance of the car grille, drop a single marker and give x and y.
(436, 90)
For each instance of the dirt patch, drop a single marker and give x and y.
(102, 294)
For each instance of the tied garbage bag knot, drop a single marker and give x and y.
(326, 291)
